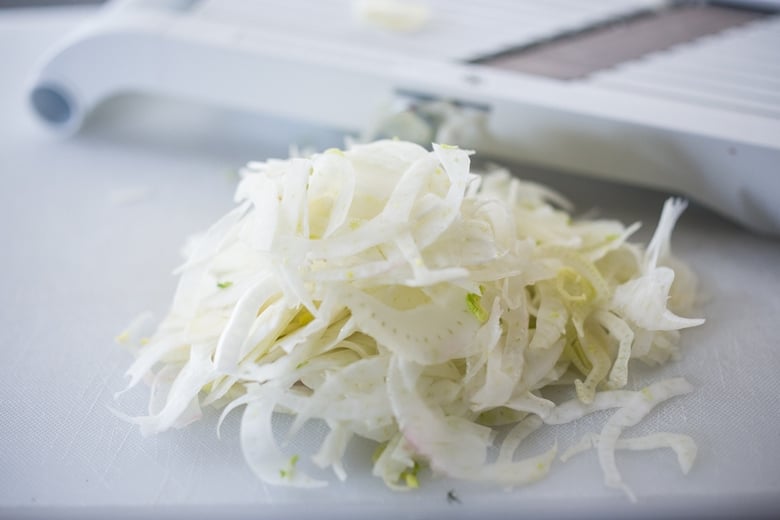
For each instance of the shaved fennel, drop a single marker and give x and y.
(396, 295)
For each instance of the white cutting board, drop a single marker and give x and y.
(90, 229)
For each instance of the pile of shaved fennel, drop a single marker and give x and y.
(397, 296)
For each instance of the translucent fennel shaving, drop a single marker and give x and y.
(396, 295)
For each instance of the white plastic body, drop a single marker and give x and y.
(726, 160)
